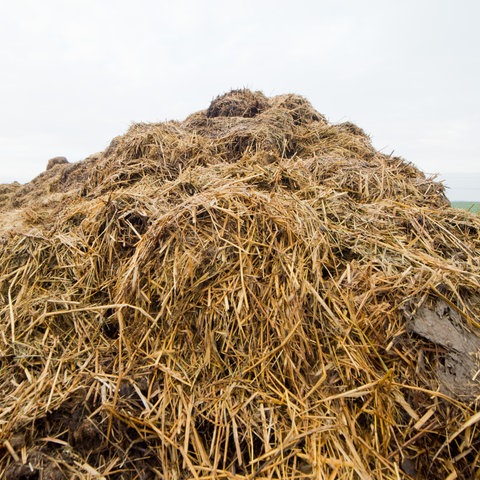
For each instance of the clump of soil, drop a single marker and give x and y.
(56, 161)
(238, 103)
(252, 292)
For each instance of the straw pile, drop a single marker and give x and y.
(250, 293)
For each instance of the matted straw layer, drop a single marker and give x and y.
(238, 297)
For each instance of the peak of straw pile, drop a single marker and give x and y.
(252, 292)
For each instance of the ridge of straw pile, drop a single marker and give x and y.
(225, 297)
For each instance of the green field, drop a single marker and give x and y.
(472, 206)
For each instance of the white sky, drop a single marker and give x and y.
(76, 73)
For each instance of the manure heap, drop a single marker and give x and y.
(252, 292)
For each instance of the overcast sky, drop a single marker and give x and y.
(76, 73)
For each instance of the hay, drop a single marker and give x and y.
(236, 297)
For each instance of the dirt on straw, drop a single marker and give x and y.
(250, 293)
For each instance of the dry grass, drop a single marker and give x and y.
(225, 297)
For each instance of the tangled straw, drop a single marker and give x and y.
(232, 296)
